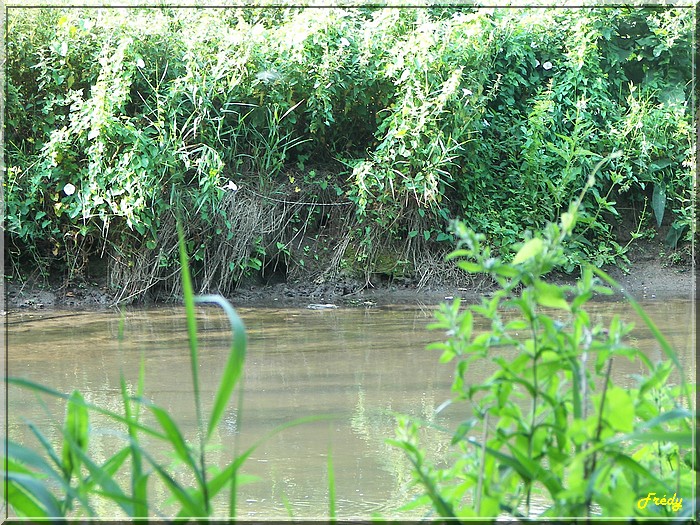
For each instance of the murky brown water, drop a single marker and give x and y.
(358, 365)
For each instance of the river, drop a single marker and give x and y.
(358, 365)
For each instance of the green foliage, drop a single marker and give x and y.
(547, 425)
(487, 114)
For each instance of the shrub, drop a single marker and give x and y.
(550, 420)
(496, 116)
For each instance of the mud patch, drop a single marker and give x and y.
(648, 279)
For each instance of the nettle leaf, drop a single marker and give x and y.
(550, 295)
(619, 409)
(530, 249)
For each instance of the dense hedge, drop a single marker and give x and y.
(391, 120)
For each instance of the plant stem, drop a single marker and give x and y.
(590, 465)
(534, 409)
(480, 483)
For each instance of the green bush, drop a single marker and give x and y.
(490, 115)
(550, 422)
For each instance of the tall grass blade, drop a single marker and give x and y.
(230, 472)
(28, 457)
(177, 440)
(190, 507)
(47, 446)
(138, 480)
(660, 338)
(26, 383)
(234, 364)
(188, 298)
(112, 465)
(75, 431)
(103, 477)
(287, 505)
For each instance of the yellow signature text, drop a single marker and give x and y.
(675, 503)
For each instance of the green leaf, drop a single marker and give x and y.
(75, 433)
(103, 478)
(674, 235)
(175, 438)
(568, 221)
(684, 439)
(234, 364)
(189, 309)
(658, 201)
(443, 237)
(463, 429)
(550, 295)
(619, 409)
(663, 342)
(29, 497)
(457, 253)
(470, 267)
(190, 507)
(26, 383)
(530, 249)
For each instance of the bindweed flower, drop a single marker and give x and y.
(69, 189)
(547, 65)
(231, 186)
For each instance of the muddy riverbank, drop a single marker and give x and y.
(649, 277)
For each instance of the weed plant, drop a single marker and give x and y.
(550, 429)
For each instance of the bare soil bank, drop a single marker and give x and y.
(649, 277)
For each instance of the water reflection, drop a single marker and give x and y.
(360, 366)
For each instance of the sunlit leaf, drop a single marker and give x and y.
(658, 202)
(550, 295)
(530, 249)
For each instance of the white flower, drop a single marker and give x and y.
(140, 63)
(547, 65)
(467, 92)
(69, 189)
(231, 186)
(537, 63)
(268, 76)
(344, 42)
